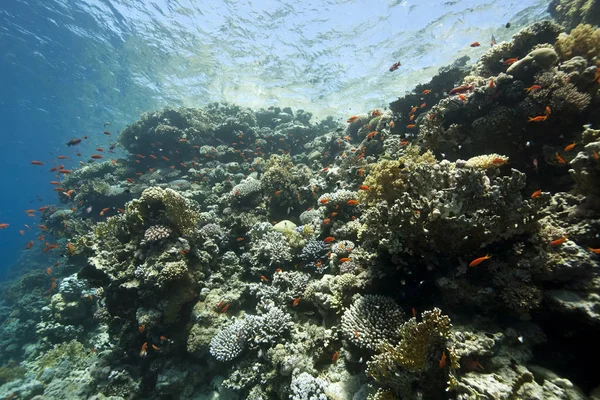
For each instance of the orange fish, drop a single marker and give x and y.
(323, 201)
(475, 44)
(536, 194)
(156, 347)
(164, 158)
(99, 149)
(264, 278)
(144, 350)
(345, 259)
(96, 156)
(595, 251)
(239, 239)
(539, 118)
(559, 241)
(225, 308)
(328, 239)
(278, 270)
(152, 156)
(49, 247)
(29, 211)
(560, 159)
(54, 182)
(352, 202)
(426, 91)
(29, 245)
(44, 227)
(296, 301)
(596, 156)
(21, 231)
(163, 338)
(141, 328)
(352, 119)
(410, 126)
(65, 171)
(443, 359)
(423, 105)
(335, 357)
(104, 210)
(277, 192)
(129, 180)
(48, 271)
(534, 87)
(414, 313)
(326, 221)
(411, 117)
(570, 146)
(548, 111)
(479, 260)
(62, 157)
(36, 162)
(41, 238)
(492, 84)
(392, 124)
(510, 61)
(363, 187)
(3, 226)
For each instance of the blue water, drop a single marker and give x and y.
(69, 66)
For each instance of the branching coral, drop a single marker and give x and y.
(584, 41)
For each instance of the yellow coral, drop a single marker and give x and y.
(486, 161)
(584, 41)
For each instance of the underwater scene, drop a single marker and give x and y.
(320, 200)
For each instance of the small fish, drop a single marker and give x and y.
(239, 239)
(410, 126)
(335, 357)
(225, 308)
(142, 328)
(323, 201)
(392, 124)
(475, 44)
(376, 113)
(492, 84)
(414, 313)
(144, 350)
(48, 271)
(264, 279)
(371, 135)
(62, 157)
(21, 231)
(443, 359)
(352, 119)
(44, 227)
(328, 239)
(96, 156)
(570, 146)
(492, 41)
(532, 88)
(345, 259)
(29, 245)
(4, 226)
(395, 66)
(352, 202)
(559, 241)
(54, 182)
(326, 221)
(163, 338)
(73, 142)
(156, 347)
(426, 91)
(548, 111)
(129, 180)
(164, 158)
(356, 335)
(100, 149)
(106, 133)
(510, 61)
(539, 118)
(479, 260)
(65, 171)
(277, 192)
(364, 187)
(560, 159)
(507, 25)
(278, 270)
(536, 194)
(49, 247)
(423, 105)
(36, 162)
(595, 251)
(296, 301)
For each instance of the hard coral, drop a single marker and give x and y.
(583, 40)
(371, 321)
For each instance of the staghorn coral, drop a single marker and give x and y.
(371, 321)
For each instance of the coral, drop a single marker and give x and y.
(538, 59)
(486, 161)
(314, 253)
(73, 351)
(583, 40)
(11, 372)
(267, 327)
(157, 232)
(246, 188)
(306, 387)
(272, 249)
(393, 366)
(371, 321)
(230, 341)
(181, 212)
(571, 13)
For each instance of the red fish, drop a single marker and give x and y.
(36, 162)
(29, 245)
(475, 44)
(96, 156)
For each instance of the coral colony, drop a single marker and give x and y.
(425, 251)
